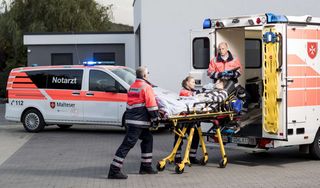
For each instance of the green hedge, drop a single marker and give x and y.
(3, 83)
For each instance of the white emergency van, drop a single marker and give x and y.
(280, 70)
(67, 95)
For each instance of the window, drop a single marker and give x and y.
(101, 81)
(39, 78)
(253, 53)
(201, 53)
(105, 57)
(125, 74)
(57, 79)
(61, 59)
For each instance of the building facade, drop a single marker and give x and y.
(163, 30)
(74, 49)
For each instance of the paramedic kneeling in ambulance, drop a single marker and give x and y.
(141, 114)
(224, 66)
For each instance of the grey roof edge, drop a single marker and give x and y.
(77, 33)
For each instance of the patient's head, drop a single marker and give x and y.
(188, 83)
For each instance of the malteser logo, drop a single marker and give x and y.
(57, 80)
(312, 48)
(65, 105)
(52, 105)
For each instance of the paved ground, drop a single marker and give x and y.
(80, 157)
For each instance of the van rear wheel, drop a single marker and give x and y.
(314, 148)
(33, 121)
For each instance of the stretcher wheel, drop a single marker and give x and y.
(161, 167)
(223, 163)
(203, 161)
(177, 169)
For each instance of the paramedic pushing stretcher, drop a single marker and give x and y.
(141, 114)
(188, 90)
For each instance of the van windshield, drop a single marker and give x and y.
(126, 74)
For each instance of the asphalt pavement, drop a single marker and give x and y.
(80, 157)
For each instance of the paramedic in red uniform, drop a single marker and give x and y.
(224, 66)
(188, 89)
(141, 114)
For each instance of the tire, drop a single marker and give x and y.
(33, 121)
(64, 126)
(314, 148)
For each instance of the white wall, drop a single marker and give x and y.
(165, 29)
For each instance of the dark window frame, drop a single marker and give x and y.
(52, 54)
(118, 86)
(260, 60)
(193, 49)
(47, 74)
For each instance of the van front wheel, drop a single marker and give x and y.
(314, 148)
(33, 121)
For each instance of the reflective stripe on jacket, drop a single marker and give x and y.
(141, 105)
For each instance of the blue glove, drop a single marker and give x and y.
(230, 74)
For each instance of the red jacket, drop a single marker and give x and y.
(141, 106)
(218, 65)
(186, 93)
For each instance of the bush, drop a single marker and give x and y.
(3, 82)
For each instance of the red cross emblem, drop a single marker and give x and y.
(312, 49)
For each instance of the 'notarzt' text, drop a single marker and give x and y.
(64, 80)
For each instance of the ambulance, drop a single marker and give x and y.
(280, 71)
(66, 95)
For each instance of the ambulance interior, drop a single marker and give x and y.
(246, 44)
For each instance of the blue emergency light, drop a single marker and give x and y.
(273, 18)
(207, 23)
(93, 63)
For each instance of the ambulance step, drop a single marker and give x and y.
(236, 147)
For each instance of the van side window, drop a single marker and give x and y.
(101, 81)
(57, 79)
(201, 53)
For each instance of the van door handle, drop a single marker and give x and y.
(89, 94)
(75, 93)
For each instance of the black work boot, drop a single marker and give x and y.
(115, 173)
(147, 170)
(194, 160)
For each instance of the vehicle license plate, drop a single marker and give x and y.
(240, 140)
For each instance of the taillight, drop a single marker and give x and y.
(258, 20)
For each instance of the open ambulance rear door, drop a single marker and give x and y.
(274, 75)
(202, 50)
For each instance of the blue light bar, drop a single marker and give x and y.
(272, 18)
(89, 63)
(207, 23)
(93, 63)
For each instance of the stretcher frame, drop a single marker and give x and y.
(195, 119)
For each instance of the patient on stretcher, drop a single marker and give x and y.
(208, 100)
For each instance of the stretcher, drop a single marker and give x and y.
(194, 119)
